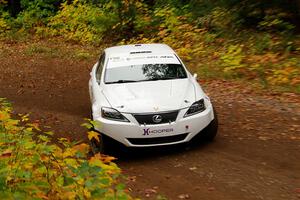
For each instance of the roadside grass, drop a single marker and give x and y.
(211, 63)
(58, 49)
(82, 55)
(15, 36)
(40, 49)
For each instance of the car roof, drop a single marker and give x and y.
(140, 54)
(148, 49)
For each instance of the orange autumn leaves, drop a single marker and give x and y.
(33, 165)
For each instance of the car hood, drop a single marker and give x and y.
(150, 96)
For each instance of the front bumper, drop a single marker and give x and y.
(132, 134)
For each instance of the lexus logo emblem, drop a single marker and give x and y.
(157, 118)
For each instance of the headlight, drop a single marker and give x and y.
(195, 108)
(112, 114)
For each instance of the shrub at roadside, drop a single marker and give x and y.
(217, 39)
(33, 168)
(82, 22)
(4, 24)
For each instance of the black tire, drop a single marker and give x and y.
(105, 145)
(97, 146)
(210, 132)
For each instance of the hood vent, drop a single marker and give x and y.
(140, 52)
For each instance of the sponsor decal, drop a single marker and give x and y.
(148, 131)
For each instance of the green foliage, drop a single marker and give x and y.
(35, 14)
(80, 22)
(38, 49)
(286, 73)
(4, 25)
(3, 5)
(219, 19)
(262, 43)
(232, 60)
(31, 167)
(274, 22)
(167, 18)
(221, 38)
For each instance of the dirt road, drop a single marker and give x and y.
(255, 156)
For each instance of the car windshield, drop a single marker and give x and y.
(144, 72)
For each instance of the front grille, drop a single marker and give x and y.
(166, 117)
(157, 140)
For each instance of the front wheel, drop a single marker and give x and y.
(210, 132)
(97, 146)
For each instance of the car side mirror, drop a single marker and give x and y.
(195, 76)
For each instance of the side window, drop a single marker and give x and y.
(100, 67)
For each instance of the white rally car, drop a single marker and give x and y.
(143, 95)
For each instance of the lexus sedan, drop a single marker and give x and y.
(143, 95)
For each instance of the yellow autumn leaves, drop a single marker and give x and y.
(35, 165)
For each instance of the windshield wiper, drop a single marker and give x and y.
(121, 81)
